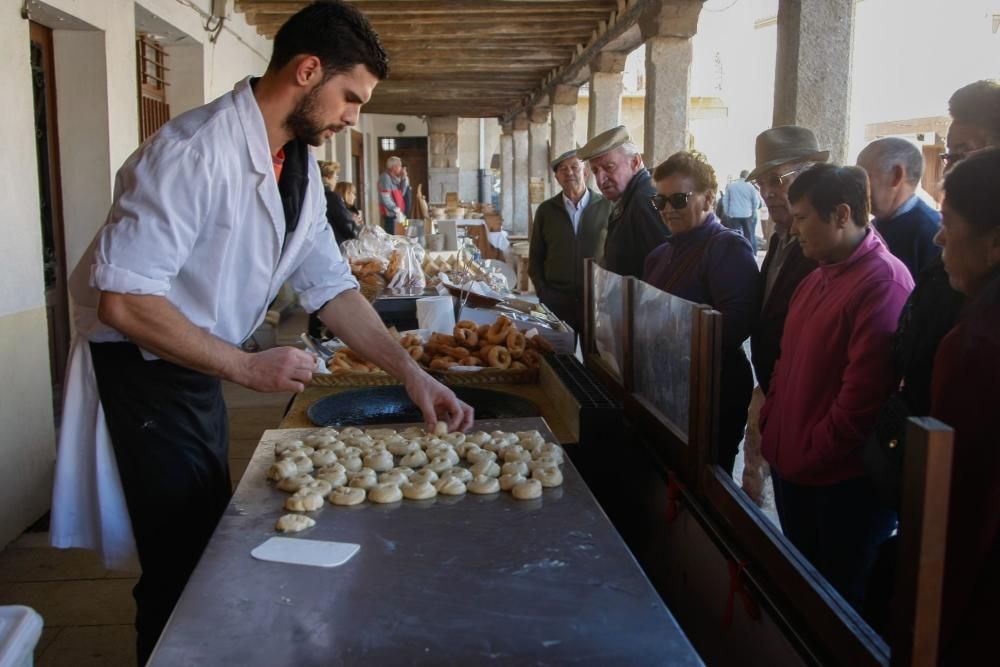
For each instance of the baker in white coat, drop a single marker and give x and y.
(209, 218)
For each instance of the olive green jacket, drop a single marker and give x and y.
(555, 258)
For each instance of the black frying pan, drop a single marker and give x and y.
(391, 405)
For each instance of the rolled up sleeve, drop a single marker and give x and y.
(161, 200)
(324, 273)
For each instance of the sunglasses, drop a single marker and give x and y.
(677, 201)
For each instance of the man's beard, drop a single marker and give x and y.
(303, 122)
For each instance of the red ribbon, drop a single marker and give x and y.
(674, 489)
(736, 569)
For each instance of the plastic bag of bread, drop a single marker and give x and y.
(404, 269)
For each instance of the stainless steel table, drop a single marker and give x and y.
(450, 581)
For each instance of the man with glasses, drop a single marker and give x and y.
(634, 226)
(567, 229)
(782, 154)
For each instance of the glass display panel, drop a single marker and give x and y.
(609, 318)
(662, 330)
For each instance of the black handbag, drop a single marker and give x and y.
(882, 452)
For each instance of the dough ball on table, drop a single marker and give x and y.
(350, 432)
(480, 456)
(463, 449)
(419, 490)
(403, 469)
(350, 451)
(469, 450)
(483, 485)
(487, 468)
(351, 463)
(305, 450)
(414, 459)
(385, 493)
(462, 474)
(365, 478)
(549, 477)
(533, 445)
(503, 435)
(323, 457)
(333, 475)
(543, 462)
(516, 453)
(294, 483)
(412, 432)
(282, 469)
(293, 523)
(320, 486)
(380, 433)
(448, 452)
(379, 461)
(440, 429)
(525, 435)
(450, 486)
(286, 445)
(514, 468)
(511, 479)
(553, 450)
(439, 464)
(424, 475)
(527, 490)
(403, 448)
(303, 501)
(393, 477)
(498, 447)
(303, 463)
(455, 439)
(347, 495)
(320, 440)
(478, 438)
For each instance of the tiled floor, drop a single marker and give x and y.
(88, 610)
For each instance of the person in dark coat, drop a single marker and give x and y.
(707, 263)
(906, 223)
(782, 154)
(567, 229)
(634, 226)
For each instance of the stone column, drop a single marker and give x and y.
(442, 144)
(521, 160)
(564, 101)
(538, 162)
(668, 78)
(605, 92)
(666, 31)
(812, 86)
(507, 174)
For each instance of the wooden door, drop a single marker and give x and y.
(50, 200)
(933, 171)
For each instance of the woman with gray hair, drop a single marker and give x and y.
(393, 193)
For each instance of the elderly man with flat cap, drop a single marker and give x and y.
(634, 226)
(567, 229)
(782, 154)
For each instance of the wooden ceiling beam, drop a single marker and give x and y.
(399, 7)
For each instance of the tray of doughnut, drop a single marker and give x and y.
(494, 353)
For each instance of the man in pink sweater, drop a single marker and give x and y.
(832, 378)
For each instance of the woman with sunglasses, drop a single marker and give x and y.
(707, 263)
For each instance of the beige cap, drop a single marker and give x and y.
(605, 142)
(559, 160)
(784, 144)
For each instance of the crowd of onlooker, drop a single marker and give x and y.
(870, 307)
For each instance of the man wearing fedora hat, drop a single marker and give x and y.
(634, 226)
(782, 154)
(567, 228)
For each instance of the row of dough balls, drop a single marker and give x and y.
(382, 465)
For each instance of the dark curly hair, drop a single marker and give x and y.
(690, 164)
(336, 33)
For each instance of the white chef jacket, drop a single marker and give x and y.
(197, 218)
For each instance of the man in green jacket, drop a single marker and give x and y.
(567, 229)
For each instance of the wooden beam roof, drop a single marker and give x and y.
(471, 58)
